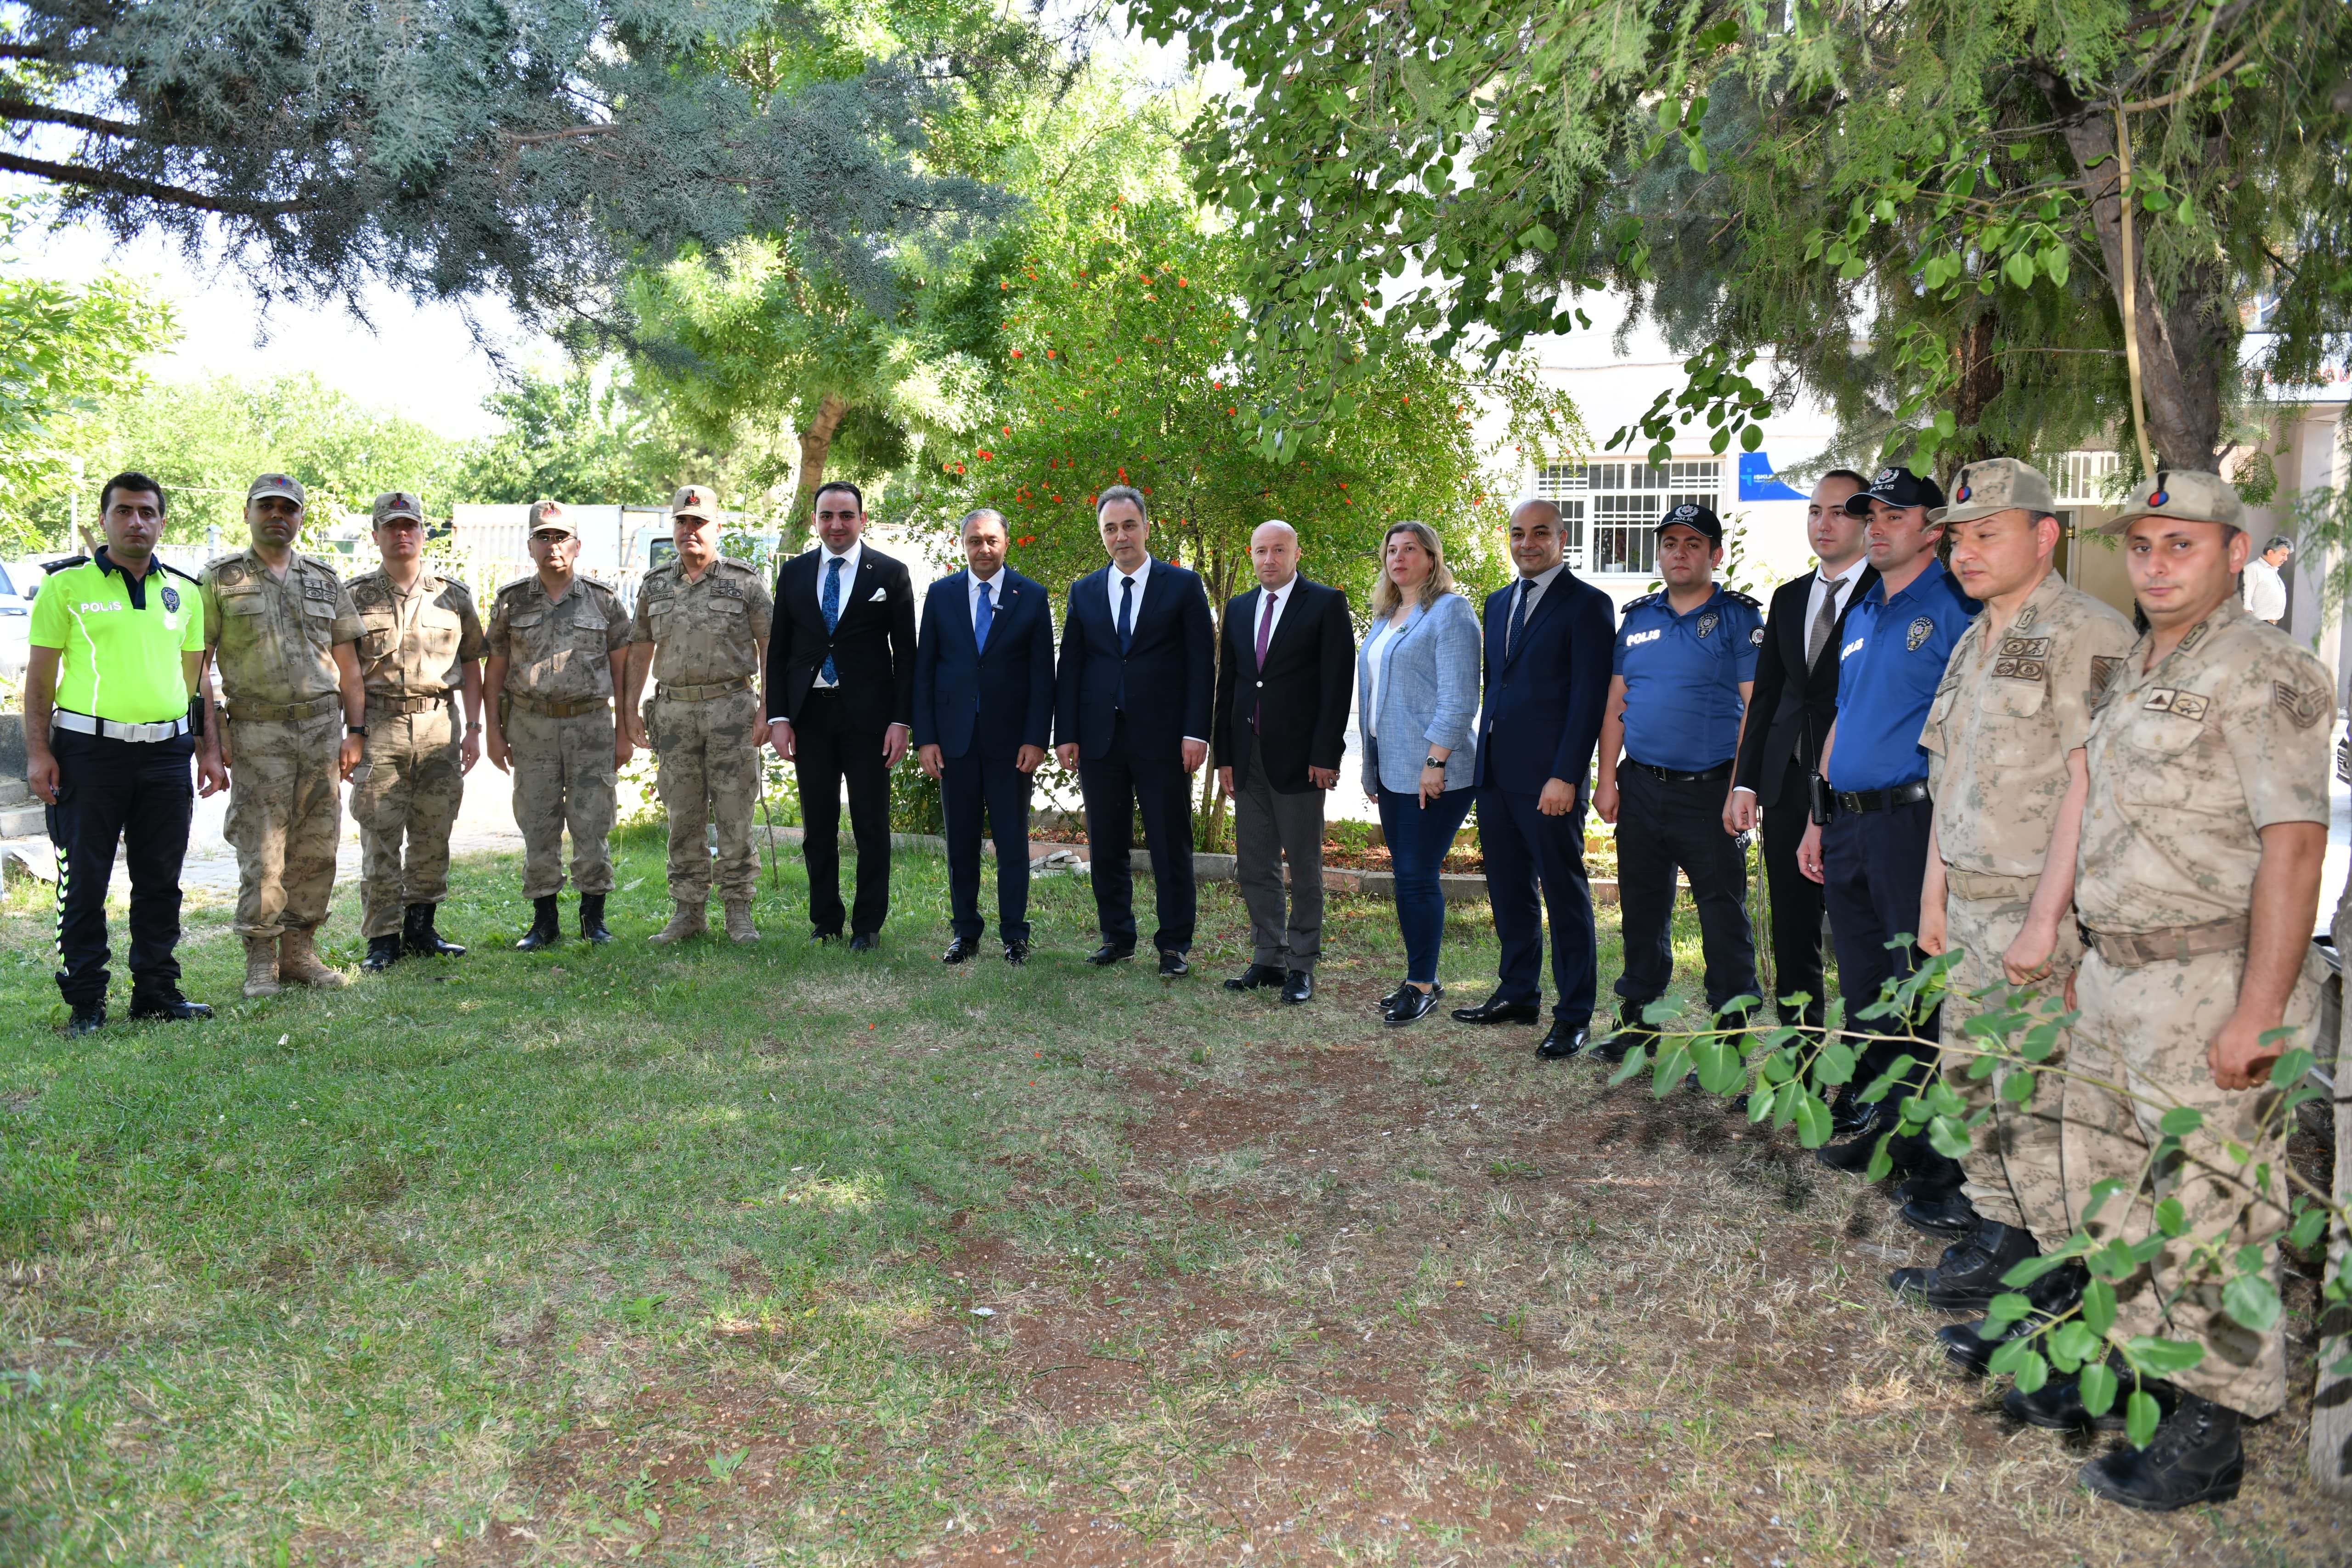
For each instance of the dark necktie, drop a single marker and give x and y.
(1126, 634)
(1519, 615)
(830, 603)
(1824, 623)
(981, 618)
(1265, 631)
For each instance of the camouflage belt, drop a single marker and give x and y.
(1974, 886)
(703, 693)
(285, 712)
(2173, 944)
(558, 709)
(407, 704)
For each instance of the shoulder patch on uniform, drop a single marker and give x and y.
(1643, 603)
(2025, 617)
(2178, 703)
(1921, 631)
(2103, 667)
(2196, 634)
(175, 572)
(229, 574)
(2306, 707)
(67, 565)
(1737, 597)
(1755, 637)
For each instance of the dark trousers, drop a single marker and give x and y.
(1662, 825)
(970, 787)
(828, 747)
(1417, 837)
(1872, 863)
(1797, 905)
(142, 795)
(1535, 867)
(1270, 827)
(1112, 786)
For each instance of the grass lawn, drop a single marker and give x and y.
(748, 1255)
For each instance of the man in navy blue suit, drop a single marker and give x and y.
(984, 714)
(1550, 640)
(1133, 702)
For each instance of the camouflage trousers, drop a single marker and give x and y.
(285, 819)
(563, 778)
(407, 786)
(2147, 1028)
(710, 773)
(2013, 1172)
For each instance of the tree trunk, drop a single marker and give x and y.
(2185, 349)
(2331, 1397)
(1980, 380)
(816, 444)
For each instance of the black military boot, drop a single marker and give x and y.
(1969, 1276)
(2196, 1456)
(2057, 1405)
(543, 931)
(2053, 1296)
(592, 918)
(383, 952)
(417, 935)
(1934, 1203)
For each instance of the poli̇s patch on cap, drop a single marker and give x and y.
(1885, 477)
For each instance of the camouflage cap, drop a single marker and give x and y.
(1997, 484)
(550, 514)
(397, 503)
(285, 485)
(696, 500)
(2185, 493)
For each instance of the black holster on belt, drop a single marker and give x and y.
(1820, 799)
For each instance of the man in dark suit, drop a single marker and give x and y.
(1133, 702)
(1550, 638)
(1283, 684)
(983, 715)
(841, 702)
(1794, 701)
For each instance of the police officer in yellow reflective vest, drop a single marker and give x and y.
(118, 639)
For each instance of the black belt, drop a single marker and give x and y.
(1881, 799)
(1668, 775)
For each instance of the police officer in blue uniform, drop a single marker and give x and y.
(1685, 662)
(1868, 843)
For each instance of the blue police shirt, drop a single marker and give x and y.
(1682, 678)
(1889, 665)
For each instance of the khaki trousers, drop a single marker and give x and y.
(711, 772)
(564, 779)
(285, 818)
(405, 796)
(2013, 1173)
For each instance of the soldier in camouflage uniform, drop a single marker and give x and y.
(280, 628)
(559, 651)
(2005, 768)
(421, 650)
(2198, 882)
(701, 628)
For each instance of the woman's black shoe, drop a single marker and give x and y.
(1415, 1005)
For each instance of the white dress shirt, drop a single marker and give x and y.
(995, 594)
(1281, 597)
(1117, 584)
(1376, 664)
(1841, 587)
(1543, 580)
(848, 559)
(2266, 590)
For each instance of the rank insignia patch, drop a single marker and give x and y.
(2178, 703)
(2102, 670)
(2306, 707)
(2018, 668)
(2025, 647)
(1921, 631)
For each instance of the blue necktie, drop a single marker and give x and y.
(1126, 634)
(1519, 615)
(981, 618)
(830, 603)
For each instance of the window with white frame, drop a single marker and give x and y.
(1610, 510)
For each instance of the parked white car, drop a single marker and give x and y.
(15, 621)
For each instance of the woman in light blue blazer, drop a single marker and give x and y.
(1417, 680)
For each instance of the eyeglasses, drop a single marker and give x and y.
(549, 536)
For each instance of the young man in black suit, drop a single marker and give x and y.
(1794, 701)
(1283, 685)
(984, 716)
(840, 704)
(1551, 641)
(1133, 702)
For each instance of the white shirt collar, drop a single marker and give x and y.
(848, 559)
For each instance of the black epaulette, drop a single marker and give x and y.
(1737, 597)
(67, 565)
(175, 572)
(1646, 601)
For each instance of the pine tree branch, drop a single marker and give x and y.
(126, 186)
(22, 109)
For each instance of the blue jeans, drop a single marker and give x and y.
(1418, 838)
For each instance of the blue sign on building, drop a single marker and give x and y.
(1757, 481)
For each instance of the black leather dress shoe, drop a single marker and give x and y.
(1495, 1010)
(822, 936)
(1172, 965)
(1016, 953)
(1854, 1155)
(383, 952)
(1415, 1005)
(1255, 977)
(1564, 1039)
(89, 1018)
(1394, 997)
(167, 1006)
(959, 951)
(1298, 987)
(864, 941)
(1631, 1034)
(1111, 952)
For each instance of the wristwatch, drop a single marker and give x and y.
(1437, 763)
(360, 730)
